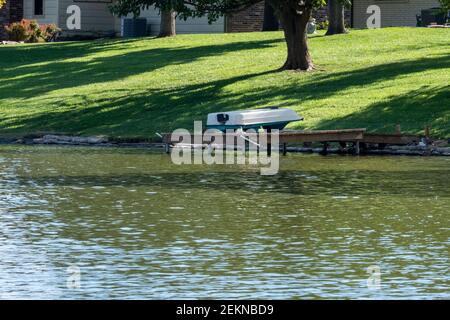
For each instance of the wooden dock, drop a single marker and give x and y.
(356, 137)
(298, 136)
(345, 135)
(294, 136)
(396, 139)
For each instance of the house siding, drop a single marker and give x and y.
(95, 17)
(394, 13)
(50, 11)
(191, 25)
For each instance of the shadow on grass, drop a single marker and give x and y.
(45, 68)
(154, 110)
(145, 112)
(427, 105)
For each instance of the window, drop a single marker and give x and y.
(94, 1)
(393, 1)
(38, 7)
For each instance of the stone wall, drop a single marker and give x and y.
(11, 12)
(248, 20)
(4, 19)
(15, 10)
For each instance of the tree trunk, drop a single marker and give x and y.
(336, 18)
(167, 28)
(270, 20)
(294, 26)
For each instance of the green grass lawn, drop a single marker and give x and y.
(368, 78)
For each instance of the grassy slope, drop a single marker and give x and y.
(371, 78)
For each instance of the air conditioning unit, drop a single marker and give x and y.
(134, 27)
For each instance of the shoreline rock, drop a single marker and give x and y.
(89, 141)
(102, 141)
(56, 139)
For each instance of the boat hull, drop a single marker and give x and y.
(266, 118)
(256, 127)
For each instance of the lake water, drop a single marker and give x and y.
(125, 223)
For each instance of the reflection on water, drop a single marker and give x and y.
(139, 227)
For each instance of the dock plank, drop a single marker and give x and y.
(298, 136)
(345, 135)
(395, 139)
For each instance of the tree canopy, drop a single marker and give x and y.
(294, 16)
(445, 4)
(213, 9)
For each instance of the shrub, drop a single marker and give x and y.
(51, 32)
(31, 31)
(17, 31)
(34, 31)
(322, 25)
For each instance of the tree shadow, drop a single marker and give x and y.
(156, 110)
(62, 66)
(427, 105)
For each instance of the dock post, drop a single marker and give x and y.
(357, 148)
(324, 151)
(427, 131)
(167, 148)
(427, 135)
(284, 149)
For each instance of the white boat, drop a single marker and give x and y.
(266, 118)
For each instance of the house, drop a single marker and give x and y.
(97, 20)
(394, 13)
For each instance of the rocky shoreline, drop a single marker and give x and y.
(100, 141)
(92, 141)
